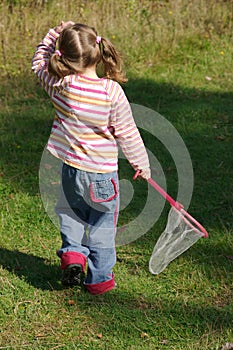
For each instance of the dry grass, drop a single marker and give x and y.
(152, 29)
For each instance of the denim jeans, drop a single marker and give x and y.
(88, 211)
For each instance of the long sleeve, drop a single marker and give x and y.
(127, 134)
(41, 58)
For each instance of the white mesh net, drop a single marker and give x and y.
(177, 237)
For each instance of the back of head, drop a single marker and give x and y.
(80, 49)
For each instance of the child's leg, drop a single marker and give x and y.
(100, 277)
(71, 209)
(72, 250)
(72, 253)
(101, 233)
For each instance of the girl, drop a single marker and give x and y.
(92, 116)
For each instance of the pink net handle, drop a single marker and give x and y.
(176, 205)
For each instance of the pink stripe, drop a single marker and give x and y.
(78, 126)
(84, 77)
(104, 145)
(74, 156)
(81, 109)
(116, 209)
(56, 148)
(89, 161)
(88, 143)
(64, 121)
(88, 90)
(92, 111)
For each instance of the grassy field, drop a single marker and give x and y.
(178, 58)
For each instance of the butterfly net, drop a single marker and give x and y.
(178, 236)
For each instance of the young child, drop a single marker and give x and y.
(92, 116)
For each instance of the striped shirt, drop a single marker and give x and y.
(93, 117)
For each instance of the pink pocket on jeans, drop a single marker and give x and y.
(103, 190)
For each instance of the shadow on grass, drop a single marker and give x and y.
(36, 271)
(203, 119)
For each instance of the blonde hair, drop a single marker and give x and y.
(80, 49)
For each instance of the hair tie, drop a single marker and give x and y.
(98, 39)
(58, 53)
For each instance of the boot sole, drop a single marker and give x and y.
(73, 275)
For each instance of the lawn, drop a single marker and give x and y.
(178, 58)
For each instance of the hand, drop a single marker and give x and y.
(63, 25)
(145, 173)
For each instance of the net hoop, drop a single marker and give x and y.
(193, 223)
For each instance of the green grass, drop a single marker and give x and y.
(180, 66)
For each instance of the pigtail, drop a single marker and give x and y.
(58, 67)
(112, 61)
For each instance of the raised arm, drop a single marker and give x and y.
(42, 55)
